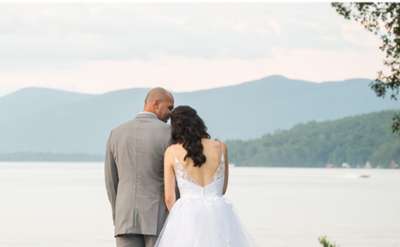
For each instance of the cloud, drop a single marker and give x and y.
(68, 32)
(187, 74)
(96, 47)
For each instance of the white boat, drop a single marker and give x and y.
(393, 165)
(367, 165)
(345, 165)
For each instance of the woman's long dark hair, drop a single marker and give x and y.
(188, 129)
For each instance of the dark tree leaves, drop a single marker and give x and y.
(382, 19)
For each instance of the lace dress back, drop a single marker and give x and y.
(202, 217)
(189, 187)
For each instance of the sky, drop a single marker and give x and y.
(101, 47)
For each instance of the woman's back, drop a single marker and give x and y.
(202, 216)
(204, 175)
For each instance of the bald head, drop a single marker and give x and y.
(157, 93)
(160, 102)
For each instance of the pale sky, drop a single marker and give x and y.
(94, 47)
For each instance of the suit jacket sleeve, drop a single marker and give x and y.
(111, 176)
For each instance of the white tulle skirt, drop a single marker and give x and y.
(203, 222)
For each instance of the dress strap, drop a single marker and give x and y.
(219, 173)
(222, 152)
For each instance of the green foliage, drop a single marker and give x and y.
(354, 140)
(325, 242)
(382, 19)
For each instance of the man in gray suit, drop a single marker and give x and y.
(134, 172)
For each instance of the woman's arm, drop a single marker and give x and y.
(169, 179)
(225, 152)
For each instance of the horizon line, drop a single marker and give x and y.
(183, 91)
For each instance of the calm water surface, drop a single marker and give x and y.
(65, 204)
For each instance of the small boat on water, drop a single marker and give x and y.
(393, 165)
(345, 165)
(365, 176)
(368, 165)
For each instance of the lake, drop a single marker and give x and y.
(65, 204)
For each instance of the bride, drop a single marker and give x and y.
(201, 217)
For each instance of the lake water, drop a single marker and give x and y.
(65, 204)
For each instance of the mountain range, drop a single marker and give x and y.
(56, 121)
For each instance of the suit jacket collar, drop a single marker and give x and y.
(145, 114)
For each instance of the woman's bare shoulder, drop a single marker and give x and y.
(218, 143)
(174, 148)
(215, 145)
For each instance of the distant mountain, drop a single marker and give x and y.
(30, 101)
(42, 120)
(353, 140)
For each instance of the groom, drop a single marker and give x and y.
(134, 172)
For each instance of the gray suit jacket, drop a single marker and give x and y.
(134, 175)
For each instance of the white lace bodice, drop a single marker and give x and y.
(202, 216)
(189, 188)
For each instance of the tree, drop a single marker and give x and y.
(382, 19)
(325, 242)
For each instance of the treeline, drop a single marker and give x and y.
(353, 140)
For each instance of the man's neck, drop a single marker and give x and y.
(147, 112)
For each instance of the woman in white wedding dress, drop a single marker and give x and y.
(201, 217)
